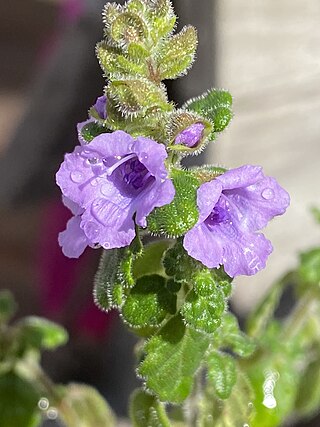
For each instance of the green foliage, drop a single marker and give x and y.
(83, 406)
(114, 275)
(216, 106)
(234, 339)
(8, 306)
(236, 411)
(203, 313)
(40, 333)
(148, 302)
(173, 355)
(138, 97)
(310, 267)
(178, 264)
(308, 397)
(222, 373)
(181, 214)
(147, 411)
(151, 260)
(177, 54)
(18, 402)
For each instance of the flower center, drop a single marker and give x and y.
(219, 214)
(130, 174)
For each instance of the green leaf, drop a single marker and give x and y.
(234, 339)
(138, 97)
(310, 266)
(205, 282)
(215, 105)
(8, 305)
(222, 373)
(178, 217)
(161, 19)
(151, 260)
(204, 313)
(316, 213)
(18, 402)
(148, 302)
(84, 406)
(308, 397)
(177, 54)
(127, 28)
(113, 277)
(173, 356)
(236, 411)
(41, 333)
(147, 411)
(178, 264)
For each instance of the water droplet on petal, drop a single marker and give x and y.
(52, 414)
(76, 177)
(94, 182)
(106, 245)
(92, 230)
(144, 156)
(268, 194)
(107, 190)
(43, 404)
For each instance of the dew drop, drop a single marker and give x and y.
(52, 414)
(144, 156)
(76, 177)
(106, 245)
(268, 194)
(106, 190)
(94, 182)
(91, 230)
(43, 404)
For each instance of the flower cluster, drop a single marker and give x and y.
(114, 182)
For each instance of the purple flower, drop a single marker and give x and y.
(232, 208)
(108, 182)
(191, 136)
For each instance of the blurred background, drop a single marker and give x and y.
(267, 54)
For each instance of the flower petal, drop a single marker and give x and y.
(207, 196)
(73, 240)
(152, 155)
(240, 177)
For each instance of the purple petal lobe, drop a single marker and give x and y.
(73, 240)
(101, 106)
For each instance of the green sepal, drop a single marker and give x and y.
(178, 217)
(216, 106)
(173, 356)
(18, 402)
(92, 129)
(150, 261)
(8, 305)
(222, 373)
(39, 333)
(203, 313)
(146, 411)
(148, 303)
(179, 121)
(177, 54)
(83, 406)
(206, 281)
(135, 97)
(234, 339)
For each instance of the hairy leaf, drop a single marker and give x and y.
(173, 356)
(150, 261)
(18, 402)
(177, 54)
(147, 411)
(222, 373)
(148, 302)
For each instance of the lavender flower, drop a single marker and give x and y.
(233, 207)
(109, 181)
(191, 136)
(101, 108)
